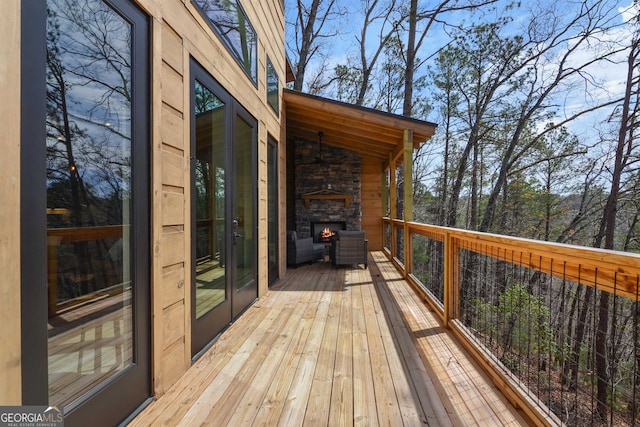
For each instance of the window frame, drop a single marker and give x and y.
(270, 69)
(253, 73)
(33, 224)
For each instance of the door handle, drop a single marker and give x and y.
(236, 236)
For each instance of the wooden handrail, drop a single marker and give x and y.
(57, 236)
(83, 234)
(614, 272)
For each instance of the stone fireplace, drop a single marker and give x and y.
(327, 188)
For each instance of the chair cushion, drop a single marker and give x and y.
(349, 233)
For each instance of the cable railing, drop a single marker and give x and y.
(556, 326)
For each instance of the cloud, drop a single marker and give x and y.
(629, 12)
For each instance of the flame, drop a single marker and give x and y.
(327, 233)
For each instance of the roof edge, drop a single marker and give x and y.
(360, 107)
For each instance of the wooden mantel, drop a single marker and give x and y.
(326, 195)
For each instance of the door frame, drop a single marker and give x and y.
(213, 322)
(272, 179)
(238, 300)
(116, 391)
(243, 297)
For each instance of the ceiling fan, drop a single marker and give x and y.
(318, 160)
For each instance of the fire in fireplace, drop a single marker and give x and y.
(325, 235)
(323, 230)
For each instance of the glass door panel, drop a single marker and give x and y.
(210, 265)
(223, 140)
(244, 202)
(272, 210)
(244, 222)
(97, 207)
(89, 209)
(210, 257)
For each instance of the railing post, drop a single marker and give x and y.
(408, 250)
(449, 277)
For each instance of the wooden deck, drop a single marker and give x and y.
(331, 347)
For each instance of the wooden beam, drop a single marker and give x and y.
(332, 136)
(393, 190)
(385, 192)
(408, 175)
(326, 196)
(408, 198)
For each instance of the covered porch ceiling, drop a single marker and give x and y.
(367, 131)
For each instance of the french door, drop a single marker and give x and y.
(272, 209)
(85, 198)
(223, 206)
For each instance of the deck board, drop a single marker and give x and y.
(334, 346)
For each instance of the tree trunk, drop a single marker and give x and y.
(306, 43)
(407, 105)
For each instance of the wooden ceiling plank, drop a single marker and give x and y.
(354, 142)
(322, 122)
(367, 131)
(319, 117)
(335, 132)
(359, 113)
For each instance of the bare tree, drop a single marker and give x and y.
(311, 27)
(417, 36)
(386, 18)
(88, 129)
(545, 80)
(625, 156)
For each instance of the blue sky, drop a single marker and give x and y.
(344, 44)
(606, 80)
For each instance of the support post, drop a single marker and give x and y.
(384, 209)
(408, 197)
(393, 202)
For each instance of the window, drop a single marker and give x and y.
(273, 86)
(85, 198)
(229, 20)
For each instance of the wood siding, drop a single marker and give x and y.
(178, 32)
(10, 368)
(371, 193)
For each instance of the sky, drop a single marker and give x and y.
(344, 43)
(608, 76)
(606, 80)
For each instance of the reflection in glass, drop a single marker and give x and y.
(232, 24)
(244, 226)
(89, 216)
(273, 87)
(272, 210)
(209, 200)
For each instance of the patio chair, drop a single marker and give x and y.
(349, 247)
(301, 250)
